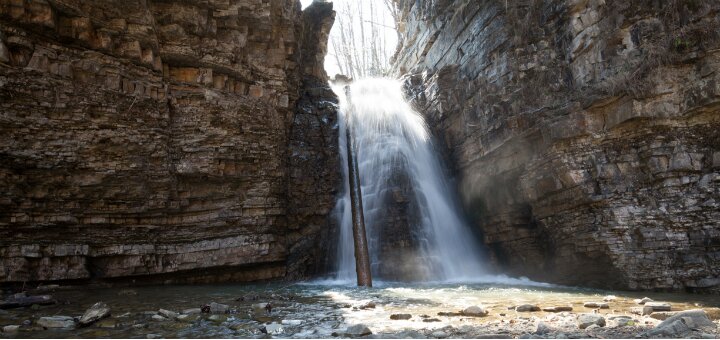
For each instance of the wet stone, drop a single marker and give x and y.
(192, 311)
(65, 322)
(643, 300)
(368, 305)
(358, 330)
(658, 306)
(96, 312)
(601, 305)
(527, 308)
(168, 313)
(400, 316)
(10, 328)
(158, 317)
(557, 309)
(218, 308)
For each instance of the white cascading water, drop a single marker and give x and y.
(386, 131)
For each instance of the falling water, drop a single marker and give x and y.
(390, 137)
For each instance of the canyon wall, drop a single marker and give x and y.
(174, 140)
(584, 134)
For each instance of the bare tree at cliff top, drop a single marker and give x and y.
(364, 37)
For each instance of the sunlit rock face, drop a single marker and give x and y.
(584, 134)
(161, 137)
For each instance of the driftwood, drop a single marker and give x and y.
(362, 258)
(27, 301)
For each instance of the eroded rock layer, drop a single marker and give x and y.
(157, 137)
(584, 133)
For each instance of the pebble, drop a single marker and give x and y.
(127, 292)
(439, 335)
(10, 329)
(475, 311)
(192, 311)
(358, 330)
(610, 298)
(400, 316)
(602, 305)
(219, 318)
(291, 322)
(643, 300)
(158, 317)
(556, 309)
(658, 306)
(219, 308)
(368, 305)
(168, 313)
(431, 320)
(542, 328)
(527, 308)
(56, 322)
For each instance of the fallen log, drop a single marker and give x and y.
(27, 301)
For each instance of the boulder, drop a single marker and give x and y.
(587, 320)
(682, 323)
(527, 308)
(65, 322)
(357, 330)
(475, 311)
(96, 312)
(400, 316)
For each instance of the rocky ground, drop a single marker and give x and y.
(138, 313)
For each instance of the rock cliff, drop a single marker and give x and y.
(583, 133)
(185, 140)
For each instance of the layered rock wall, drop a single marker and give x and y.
(584, 133)
(152, 138)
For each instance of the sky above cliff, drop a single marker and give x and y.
(359, 45)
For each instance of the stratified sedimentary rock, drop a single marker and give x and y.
(159, 137)
(584, 133)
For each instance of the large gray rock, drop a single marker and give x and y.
(587, 320)
(682, 323)
(65, 322)
(96, 312)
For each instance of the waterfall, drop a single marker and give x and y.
(403, 187)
